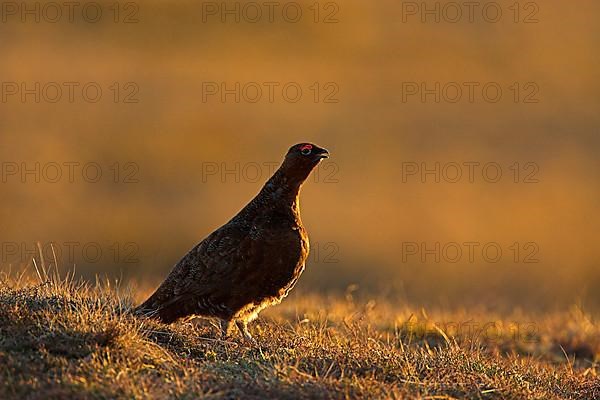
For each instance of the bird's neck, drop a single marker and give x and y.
(284, 186)
(281, 193)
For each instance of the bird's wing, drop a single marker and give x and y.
(231, 263)
(200, 269)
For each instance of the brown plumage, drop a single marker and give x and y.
(249, 263)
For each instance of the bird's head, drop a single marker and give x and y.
(301, 159)
(306, 154)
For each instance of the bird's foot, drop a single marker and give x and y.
(243, 327)
(225, 325)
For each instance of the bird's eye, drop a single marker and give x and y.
(306, 149)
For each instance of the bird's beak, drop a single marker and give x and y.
(323, 153)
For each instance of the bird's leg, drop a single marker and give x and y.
(225, 325)
(243, 327)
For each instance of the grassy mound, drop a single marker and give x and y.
(64, 340)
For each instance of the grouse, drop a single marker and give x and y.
(248, 264)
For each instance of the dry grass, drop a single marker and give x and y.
(62, 339)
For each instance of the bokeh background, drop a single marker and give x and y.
(170, 145)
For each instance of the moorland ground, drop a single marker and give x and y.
(65, 339)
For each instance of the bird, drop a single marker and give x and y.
(250, 263)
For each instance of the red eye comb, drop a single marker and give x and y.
(306, 147)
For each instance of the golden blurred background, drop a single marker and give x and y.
(124, 140)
